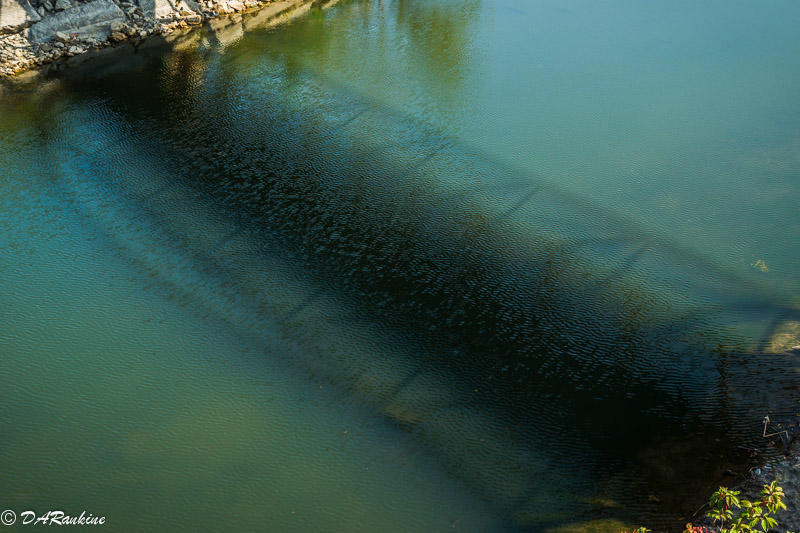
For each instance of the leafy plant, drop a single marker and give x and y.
(735, 515)
(732, 514)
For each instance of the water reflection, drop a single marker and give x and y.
(441, 40)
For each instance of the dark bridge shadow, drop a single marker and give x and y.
(601, 358)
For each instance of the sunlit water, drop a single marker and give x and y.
(414, 266)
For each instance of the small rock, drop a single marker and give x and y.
(61, 5)
(61, 37)
(117, 26)
(118, 36)
(194, 19)
(48, 5)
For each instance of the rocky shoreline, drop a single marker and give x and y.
(36, 33)
(786, 470)
(779, 463)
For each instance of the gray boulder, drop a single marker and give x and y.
(87, 20)
(16, 15)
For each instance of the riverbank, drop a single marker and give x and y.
(38, 33)
(781, 466)
(786, 470)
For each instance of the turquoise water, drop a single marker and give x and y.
(410, 266)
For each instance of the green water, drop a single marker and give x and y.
(121, 399)
(414, 266)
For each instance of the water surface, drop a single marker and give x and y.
(479, 265)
